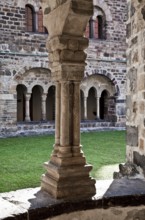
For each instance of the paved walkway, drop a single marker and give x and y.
(36, 204)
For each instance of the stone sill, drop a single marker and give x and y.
(34, 204)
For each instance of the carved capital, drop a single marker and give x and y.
(72, 16)
(28, 96)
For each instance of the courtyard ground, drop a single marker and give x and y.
(22, 157)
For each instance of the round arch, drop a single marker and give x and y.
(21, 109)
(103, 5)
(34, 3)
(36, 103)
(104, 104)
(91, 104)
(50, 104)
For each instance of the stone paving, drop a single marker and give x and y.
(36, 204)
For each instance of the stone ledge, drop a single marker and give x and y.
(34, 204)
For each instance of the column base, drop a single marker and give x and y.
(68, 178)
(27, 119)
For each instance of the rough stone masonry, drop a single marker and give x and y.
(135, 112)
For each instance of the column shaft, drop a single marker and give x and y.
(98, 107)
(57, 114)
(27, 105)
(44, 96)
(85, 108)
(64, 140)
(76, 115)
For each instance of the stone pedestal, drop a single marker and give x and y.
(67, 174)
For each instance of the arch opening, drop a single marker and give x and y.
(104, 105)
(50, 104)
(21, 100)
(91, 104)
(36, 103)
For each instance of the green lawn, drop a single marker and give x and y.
(21, 159)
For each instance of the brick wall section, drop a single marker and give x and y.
(12, 26)
(116, 29)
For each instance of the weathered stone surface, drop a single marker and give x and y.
(132, 136)
(135, 83)
(127, 170)
(139, 160)
(115, 199)
(132, 79)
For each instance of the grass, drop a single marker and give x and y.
(21, 159)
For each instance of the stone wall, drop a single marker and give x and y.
(135, 83)
(21, 51)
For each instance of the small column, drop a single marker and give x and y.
(64, 140)
(44, 96)
(85, 108)
(27, 105)
(57, 119)
(98, 106)
(76, 115)
(57, 114)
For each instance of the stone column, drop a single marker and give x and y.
(67, 174)
(27, 105)
(43, 98)
(85, 108)
(98, 106)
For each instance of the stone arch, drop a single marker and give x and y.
(30, 18)
(40, 84)
(87, 86)
(107, 88)
(35, 4)
(50, 103)
(21, 100)
(98, 21)
(24, 76)
(94, 72)
(99, 83)
(36, 103)
(103, 5)
(104, 104)
(25, 70)
(91, 104)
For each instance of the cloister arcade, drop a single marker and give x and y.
(37, 103)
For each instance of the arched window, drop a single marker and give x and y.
(89, 29)
(96, 25)
(100, 27)
(41, 28)
(30, 18)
